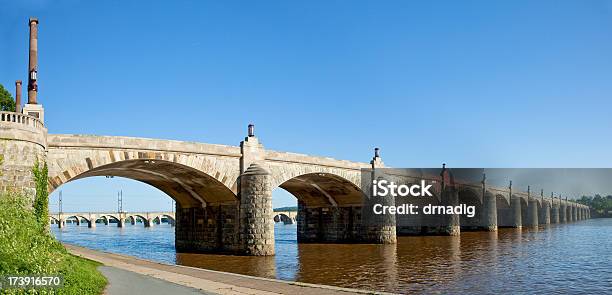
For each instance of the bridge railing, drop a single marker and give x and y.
(21, 119)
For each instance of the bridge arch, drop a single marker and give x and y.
(504, 211)
(418, 224)
(284, 218)
(471, 197)
(77, 218)
(80, 217)
(329, 204)
(160, 216)
(135, 217)
(190, 187)
(323, 190)
(108, 217)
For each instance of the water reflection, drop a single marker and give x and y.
(567, 258)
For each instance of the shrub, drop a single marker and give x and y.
(41, 202)
(26, 247)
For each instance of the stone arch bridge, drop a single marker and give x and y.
(147, 218)
(223, 193)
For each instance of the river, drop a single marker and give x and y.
(567, 258)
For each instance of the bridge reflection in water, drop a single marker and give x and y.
(569, 258)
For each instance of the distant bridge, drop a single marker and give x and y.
(147, 218)
(286, 217)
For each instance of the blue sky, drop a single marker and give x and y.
(469, 83)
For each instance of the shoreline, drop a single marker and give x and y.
(208, 280)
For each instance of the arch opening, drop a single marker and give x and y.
(470, 198)
(524, 211)
(504, 211)
(206, 211)
(189, 187)
(328, 207)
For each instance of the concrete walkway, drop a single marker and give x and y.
(195, 279)
(126, 282)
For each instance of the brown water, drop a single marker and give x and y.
(568, 258)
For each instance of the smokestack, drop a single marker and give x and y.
(18, 96)
(33, 65)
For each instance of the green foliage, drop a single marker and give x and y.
(600, 204)
(41, 202)
(7, 103)
(26, 248)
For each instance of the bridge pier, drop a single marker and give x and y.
(532, 213)
(91, 223)
(554, 213)
(562, 212)
(588, 213)
(257, 224)
(544, 213)
(121, 222)
(377, 228)
(515, 204)
(489, 216)
(450, 197)
(574, 212)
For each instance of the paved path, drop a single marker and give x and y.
(207, 281)
(126, 282)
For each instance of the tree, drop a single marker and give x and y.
(7, 103)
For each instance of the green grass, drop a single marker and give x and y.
(27, 248)
(81, 276)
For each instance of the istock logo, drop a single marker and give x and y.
(383, 188)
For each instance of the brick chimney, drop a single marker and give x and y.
(33, 62)
(18, 96)
(33, 108)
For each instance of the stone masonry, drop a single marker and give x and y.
(256, 213)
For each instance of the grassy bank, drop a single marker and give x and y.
(27, 247)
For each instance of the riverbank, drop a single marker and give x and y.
(27, 248)
(207, 281)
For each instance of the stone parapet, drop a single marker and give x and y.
(22, 143)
